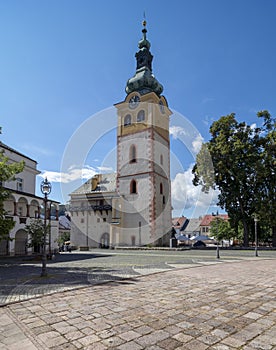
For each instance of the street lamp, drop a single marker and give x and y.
(218, 256)
(45, 188)
(216, 226)
(256, 235)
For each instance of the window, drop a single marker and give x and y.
(132, 154)
(161, 159)
(133, 187)
(141, 116)
(161, 188)
(19, 184)
(164, 200)
(104, 219)
(82, 220)
(127, 120)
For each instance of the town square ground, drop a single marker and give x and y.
(124, 299)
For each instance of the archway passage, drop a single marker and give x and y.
(20, 244)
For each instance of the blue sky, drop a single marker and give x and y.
(64, 62)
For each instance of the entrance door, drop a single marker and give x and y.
(20, 245)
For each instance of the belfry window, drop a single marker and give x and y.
(132, 154)
(141, 116)
(127, 120)
(133, 187)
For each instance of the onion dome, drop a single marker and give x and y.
(144, 81)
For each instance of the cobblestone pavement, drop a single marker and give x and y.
(20, 278)
(220, 306)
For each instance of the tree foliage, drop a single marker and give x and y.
(64, 237)
(35, 231)
(221, 230)
(7, 172)
(243, 169)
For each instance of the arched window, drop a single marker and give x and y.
(141, 116)
(132, 154)
(127, 120)
(161, 159)
(133, 187)
(161, 188)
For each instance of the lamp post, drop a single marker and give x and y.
(256, 234)
(216, 226)
(45, 188)
(218, 256)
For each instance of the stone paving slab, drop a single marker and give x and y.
(217, 307)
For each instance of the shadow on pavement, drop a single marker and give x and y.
(21, 281)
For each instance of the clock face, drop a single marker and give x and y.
(134, 101)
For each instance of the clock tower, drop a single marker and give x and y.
(142, 212)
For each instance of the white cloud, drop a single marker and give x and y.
(177, 131)
(105, 169)
(197, 143)
(73, 174)
(185, 195)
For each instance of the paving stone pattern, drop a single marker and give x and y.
(218, 307)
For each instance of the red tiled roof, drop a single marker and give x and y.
(178, 222)
(209, 218)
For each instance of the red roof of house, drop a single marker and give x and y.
(178, 222)
(207, 219)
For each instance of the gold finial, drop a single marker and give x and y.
(144, 21)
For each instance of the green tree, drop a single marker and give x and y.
(266, 173)
(233, 151)
(35, 231)
(221, 230)
(64, 237)
(7, 172)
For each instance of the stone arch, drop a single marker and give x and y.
(20, 242)
(9, 205)
(22, 207)
(34, 209)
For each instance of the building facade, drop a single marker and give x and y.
(140, 212)
(91, 210)
(23, 206)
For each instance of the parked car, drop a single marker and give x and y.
(199, 244)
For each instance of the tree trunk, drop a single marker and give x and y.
(274, 236)
(245, 233)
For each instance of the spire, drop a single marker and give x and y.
(143, 80)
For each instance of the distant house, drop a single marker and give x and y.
(205, 224)
(23, 206)
(179, 224)
(192, 228)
